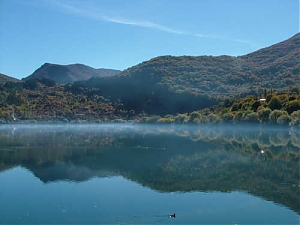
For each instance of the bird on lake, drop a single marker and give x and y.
(173, 215)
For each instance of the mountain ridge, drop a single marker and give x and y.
(171, 86)
(287, 54)
(278, 58)
(5, 78)
(69, 73)
(175, 84)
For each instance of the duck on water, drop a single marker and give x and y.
(173, 215)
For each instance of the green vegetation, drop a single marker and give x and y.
(45, 100)
(4, 78)
(278, 108)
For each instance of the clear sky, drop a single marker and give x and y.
(118, 34)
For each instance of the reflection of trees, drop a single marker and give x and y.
(295, 140)
(165, 158)
(278, 143)
(264, 140)
(279, 139)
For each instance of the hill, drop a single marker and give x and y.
(169, 84)
(203, 89)
(4, 78)
(69, 73)
(278, 64)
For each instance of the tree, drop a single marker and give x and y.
(47, 82)
(30, 84)
(227, 117)
(295, 118)
(293, 106)
(213, 118)
(263, 114)
(255, 105)
(238, 117)
(167, 120)
(181, 118)
(275, 103)
(295, 90)
(194, 117)
(251, 117)
(13, 99)
(284, 119)
(235, 107)
(274, 115)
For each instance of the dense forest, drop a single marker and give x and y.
(281, 108)
(44, 100)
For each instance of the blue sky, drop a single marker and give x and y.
(118, 34)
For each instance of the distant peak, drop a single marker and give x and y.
(69, 73)
(48, 64)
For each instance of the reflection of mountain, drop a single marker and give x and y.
(164, 159)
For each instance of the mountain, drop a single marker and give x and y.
(69, 73)
(279, 61)
(166, 85)
(4, 78)
(169, 84)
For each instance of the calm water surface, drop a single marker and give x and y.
(138, 174)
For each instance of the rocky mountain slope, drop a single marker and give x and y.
(69, 73)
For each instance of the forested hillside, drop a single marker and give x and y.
(45, 100)
(4, 78)
(170, 84)
(277, 108)
(166, 89)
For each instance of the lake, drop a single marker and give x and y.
(142, 174)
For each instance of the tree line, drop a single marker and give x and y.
(45, 100)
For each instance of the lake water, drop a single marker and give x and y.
(142, 174)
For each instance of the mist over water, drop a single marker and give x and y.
(130, 174)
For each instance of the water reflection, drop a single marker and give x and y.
(263, 162)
